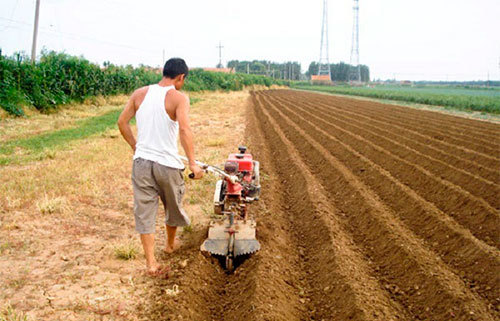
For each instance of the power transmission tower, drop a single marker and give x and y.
(35, 32)
(324, 62)
(220, 46)
(355, 43)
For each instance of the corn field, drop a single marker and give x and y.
(59, 78)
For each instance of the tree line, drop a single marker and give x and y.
(289, 70)
(341, 72)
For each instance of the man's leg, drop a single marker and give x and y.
(148, 244)
(171, 189)
(145, 208)
(172, 243)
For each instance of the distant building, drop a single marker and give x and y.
(320, 79)
(225, 70)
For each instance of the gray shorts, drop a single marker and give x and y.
(151, 180)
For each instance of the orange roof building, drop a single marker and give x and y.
(320, 79)
(225, 70)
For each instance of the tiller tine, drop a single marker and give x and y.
(216, 247)
(242, 247)
(218, 240)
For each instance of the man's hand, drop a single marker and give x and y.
(197, 171)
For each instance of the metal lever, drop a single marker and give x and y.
(212, 169)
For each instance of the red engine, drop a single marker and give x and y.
(247, 189)
(241, 165)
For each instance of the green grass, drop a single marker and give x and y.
(4, 246)
(466, 99)
(194, 100)
(42, 146)
(8, 313)
(127, 251)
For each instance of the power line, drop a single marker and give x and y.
(11, 16)
(75, 36)
(16, 21)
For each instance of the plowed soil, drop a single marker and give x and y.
(369, 212)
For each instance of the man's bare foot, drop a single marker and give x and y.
(157, 270)
(177, 245)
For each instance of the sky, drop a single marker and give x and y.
(405, 40)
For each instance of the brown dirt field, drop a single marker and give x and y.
(368, 212)
(424, 231)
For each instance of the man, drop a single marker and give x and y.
(161, 113)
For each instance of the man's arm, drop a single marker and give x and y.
(124, 121)
(186, 135)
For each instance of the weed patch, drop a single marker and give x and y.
(8, 313)
(49, 205)
(127, 251)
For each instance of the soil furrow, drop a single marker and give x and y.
(443, 133)
(340, 284)
(414, 275)
(482, 128)
(422, 145)
(474, 185)
(489, 156)
(207, 298)
(277, 289)
(487, 160)
(472, 212)
(433, 225)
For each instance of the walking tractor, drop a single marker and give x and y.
(233, 234)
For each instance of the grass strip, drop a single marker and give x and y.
(51, 140)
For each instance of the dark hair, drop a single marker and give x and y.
(174, 67)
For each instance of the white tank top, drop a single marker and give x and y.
(156, 132)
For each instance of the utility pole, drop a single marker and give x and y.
(163, 61)
(248, 68)
(220, 46)
(35, 32)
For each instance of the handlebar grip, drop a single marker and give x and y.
(191, 175)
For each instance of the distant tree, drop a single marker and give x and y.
(341, 71)
(313, 69)
(257, 67)
(365, 73)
